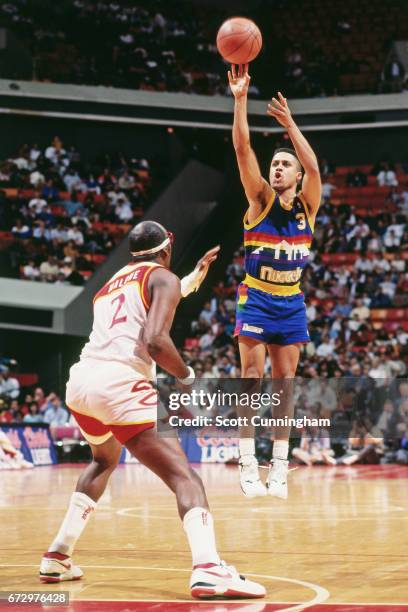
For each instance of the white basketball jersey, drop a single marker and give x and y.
(120, 315)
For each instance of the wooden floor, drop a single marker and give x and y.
(341, 538)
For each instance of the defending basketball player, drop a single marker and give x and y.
(278, 231)
(110, 394)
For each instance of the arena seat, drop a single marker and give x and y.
(26, 380)
(338, 259)
(389, 314)
(190, 343)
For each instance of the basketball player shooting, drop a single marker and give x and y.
(278, 232)
(111, 396)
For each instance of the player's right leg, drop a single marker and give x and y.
(210, 577)
(252, 354)
(56, 564)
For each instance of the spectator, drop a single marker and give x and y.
(34, 415)
(393, 75)
(123, 210)
(314, 448)
(37, 204)
(126, 181)
(327, 189)
(326, 347)
(207, 313)
(49, 269)
(360, 311)
(21, 231)
(9, 385)
(385, 418)
(75, 234)
(356, 179)
(54, 413)
(31, 271)
(72, 180)
(387, 177)
(365, 445)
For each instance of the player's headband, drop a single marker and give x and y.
(168, 240)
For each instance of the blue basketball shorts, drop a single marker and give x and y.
(272, 319)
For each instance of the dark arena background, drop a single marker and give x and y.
(116, 112)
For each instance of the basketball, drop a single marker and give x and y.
(239, 40)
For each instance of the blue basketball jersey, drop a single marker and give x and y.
(277, 246)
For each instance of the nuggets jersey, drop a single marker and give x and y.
(120, 315)
(277, 247)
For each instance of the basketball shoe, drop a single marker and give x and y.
(210, 580)
(277, 481)
(56, 567)
(251, 484)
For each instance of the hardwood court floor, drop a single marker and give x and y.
(341, 538)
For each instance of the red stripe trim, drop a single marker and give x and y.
(271, 238)
(144, 286)
(55, 555)
(119, 281)
(138, 275)
(204, 565)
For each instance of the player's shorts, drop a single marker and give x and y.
(109, 398)
(270, 318)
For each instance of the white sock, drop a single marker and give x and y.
(199, 527)
(77, 516)
(280, 449)
(246, 447)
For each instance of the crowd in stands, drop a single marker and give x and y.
(62, 214)
(170, 45)
(356, 288)
(19, 404)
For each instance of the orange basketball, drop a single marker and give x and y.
(239, 40)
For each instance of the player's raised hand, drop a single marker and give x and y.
(239, 80)
(280, 110)
(204, 263)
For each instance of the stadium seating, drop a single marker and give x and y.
(338, 55)
(95, 205)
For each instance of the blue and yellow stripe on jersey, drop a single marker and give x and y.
(277, 246)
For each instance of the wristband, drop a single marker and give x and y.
(190, 282)
(189, 379)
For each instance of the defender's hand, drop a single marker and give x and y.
(280, 110)
(204, 263)
(239, 82)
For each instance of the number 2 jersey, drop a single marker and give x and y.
(120, 314)
(277, 246)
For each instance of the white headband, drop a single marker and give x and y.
(156, 249)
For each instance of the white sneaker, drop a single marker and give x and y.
(211, 580)
(251, 484)
(277, 481)
(56, 567)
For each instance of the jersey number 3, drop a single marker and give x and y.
(301, 218)
(116, 318)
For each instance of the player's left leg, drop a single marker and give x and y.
(210, 577)
(252, 355)
(284, 362)
(56, 565)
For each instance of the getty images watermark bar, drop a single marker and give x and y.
(297, 407)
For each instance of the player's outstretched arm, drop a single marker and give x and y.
(192, 281)
(311, 186)
(257, 189)
(164, 289)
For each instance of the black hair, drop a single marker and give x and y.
(291, 152)
(144, 236)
